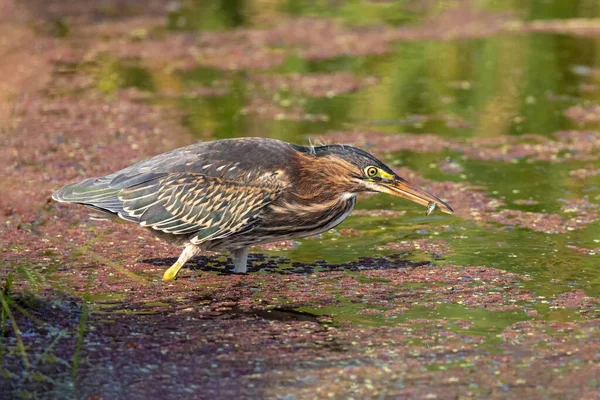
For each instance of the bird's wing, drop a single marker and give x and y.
(204, 207)
(207, 190)
(191, 203)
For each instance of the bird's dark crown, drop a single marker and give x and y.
(358, 157)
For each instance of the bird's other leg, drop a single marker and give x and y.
(187, 253)
(240, 260)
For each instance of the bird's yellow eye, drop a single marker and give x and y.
(371, 172)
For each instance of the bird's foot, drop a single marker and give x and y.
(171, 273)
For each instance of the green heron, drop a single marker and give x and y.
(234, 193)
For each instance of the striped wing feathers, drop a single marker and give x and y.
(190, 203)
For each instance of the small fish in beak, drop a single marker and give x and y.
(430, 207)
(402, 188)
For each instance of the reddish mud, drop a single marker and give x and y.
(584, 173)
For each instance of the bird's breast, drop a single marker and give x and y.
(307, 218)
(293, 209)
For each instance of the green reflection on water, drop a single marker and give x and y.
(112, 74)
(209, 15)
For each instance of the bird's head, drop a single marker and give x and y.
(359, 171)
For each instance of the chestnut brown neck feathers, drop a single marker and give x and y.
(319, 192)
(322, 179)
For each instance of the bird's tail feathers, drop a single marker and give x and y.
(92, 192)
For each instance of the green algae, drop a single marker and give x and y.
(348, 311)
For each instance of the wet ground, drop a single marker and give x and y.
(493, 106)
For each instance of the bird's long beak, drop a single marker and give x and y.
(402, 188)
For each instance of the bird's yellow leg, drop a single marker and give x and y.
(189, 252)
(171, 273)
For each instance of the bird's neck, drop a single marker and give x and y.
(322, 180)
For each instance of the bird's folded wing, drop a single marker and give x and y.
(192, 203)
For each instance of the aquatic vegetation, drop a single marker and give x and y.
(491, 106)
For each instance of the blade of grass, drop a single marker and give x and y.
(6, 293)
(50, 346)
(85, 249)
(16, 329)
(81, 333)
(93, 240)
(121, 270)
(34, 278)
